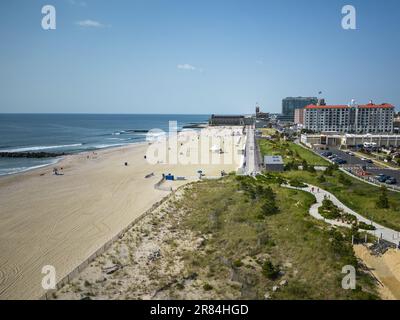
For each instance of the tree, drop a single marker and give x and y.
(321, 178)
(311, 169)
(304, 165)
(291, 166)
(383, 200)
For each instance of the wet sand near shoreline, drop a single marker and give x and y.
(60, 220)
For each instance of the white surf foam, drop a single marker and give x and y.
(38, 148)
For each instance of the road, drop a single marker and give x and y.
(354, 161)
(251, 167)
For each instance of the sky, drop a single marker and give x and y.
(195, 56)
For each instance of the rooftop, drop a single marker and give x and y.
(361, 106)
(273, 160)
(226, 116)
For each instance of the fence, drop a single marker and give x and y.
(158, 186)
(71, 275)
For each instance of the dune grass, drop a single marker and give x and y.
(290, 152)
(242, 241)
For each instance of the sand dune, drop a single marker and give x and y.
(61, 220)
(386, 269)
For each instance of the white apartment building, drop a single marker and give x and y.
(369, 118)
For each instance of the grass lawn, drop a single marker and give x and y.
(290, 152)
(309, 156)
(359, 196)
(241, 238)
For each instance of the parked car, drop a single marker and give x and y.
(391, 180)
(326, 154)
(382, 178)
(367, 160)
(341, 161)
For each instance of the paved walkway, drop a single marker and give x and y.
(251, 166)
(380, 232)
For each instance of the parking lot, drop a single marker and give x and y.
(354, 161)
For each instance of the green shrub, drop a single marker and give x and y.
(311, 169)
(383, 200)
(269, 270)
(344, 180)
(269, 208)
(331, 169)
(363, 226)
(207, 287)
(349, 218)
(328, 210)
(237, 263)
(321, 178)
(297, 184)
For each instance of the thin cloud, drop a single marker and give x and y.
(90, 24)
(188, 67)
(77, 3)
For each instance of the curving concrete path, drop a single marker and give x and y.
(380, 232)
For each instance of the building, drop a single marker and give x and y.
(356, 140)
(396, 124)
(285, 119)
(226, 120)
(299, 116)
(353, 118)
(273, 163)
(261, 115)
(290, 104)
(319, 141)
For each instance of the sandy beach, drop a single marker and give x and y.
(60, 220)
(385, 268)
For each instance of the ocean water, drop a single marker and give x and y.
(72, 133)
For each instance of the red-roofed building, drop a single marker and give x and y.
(368, 118)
